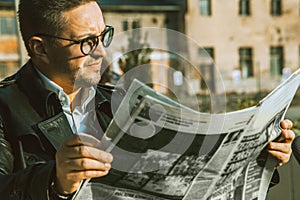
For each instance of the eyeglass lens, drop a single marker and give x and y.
(107, 38)
(89, 44)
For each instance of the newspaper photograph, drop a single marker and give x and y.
(164, 150)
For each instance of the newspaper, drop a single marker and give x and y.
(164, 150)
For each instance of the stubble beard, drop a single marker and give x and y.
(86, 77)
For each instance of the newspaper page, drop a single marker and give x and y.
(248, 173)
(165, 147)
(163, 150)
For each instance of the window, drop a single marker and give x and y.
(244, 7)
(8, 25)
(246, 62)
(276, 60)
(136, 24)
(207, 52)
(275, 7)
(205, 7)
(125, 25)
(207, 68)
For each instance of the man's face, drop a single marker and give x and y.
(66, 59)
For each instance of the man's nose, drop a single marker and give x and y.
(99, 51)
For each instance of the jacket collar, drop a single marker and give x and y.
(43, 100)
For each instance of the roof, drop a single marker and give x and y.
(159, 5)
(140, 2)
(140, 5)
(7, 3)
(129, 2)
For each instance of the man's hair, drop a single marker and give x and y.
(44, 16)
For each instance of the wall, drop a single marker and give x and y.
(226, 31)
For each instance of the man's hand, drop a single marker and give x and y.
(282, 148)
(79, 158)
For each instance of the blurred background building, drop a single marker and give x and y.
(256, 38)
(9, 53)
(253, 44)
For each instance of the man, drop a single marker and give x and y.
(39, 89)
(52, 97)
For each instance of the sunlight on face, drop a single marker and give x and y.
(70, 63)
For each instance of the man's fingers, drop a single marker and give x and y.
(82, 139)
(78, 176)
(87, 174)
(286, 124)
(79, 158)
(88, 152)
(280, 156)
(280, 147)
(75, 170)
(287, 136)
(281, 151)
(85, 164)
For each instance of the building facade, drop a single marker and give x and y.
(127, 16)
(247, 45)
(9, 49)
(252, 42)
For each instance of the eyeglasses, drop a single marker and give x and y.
(89, 44)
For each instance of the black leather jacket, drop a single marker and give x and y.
(32, 125)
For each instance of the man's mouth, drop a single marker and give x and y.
(97, 63)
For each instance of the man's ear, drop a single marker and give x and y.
(37, 48)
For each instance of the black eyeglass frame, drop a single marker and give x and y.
(109, 29)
